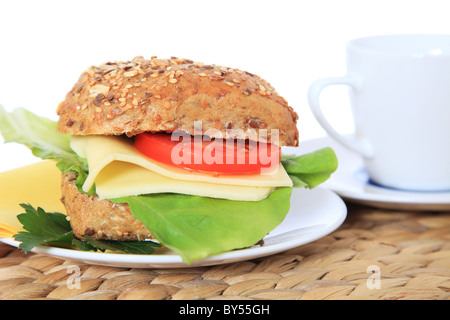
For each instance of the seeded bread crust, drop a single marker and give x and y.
(99, 219)
(171, 94)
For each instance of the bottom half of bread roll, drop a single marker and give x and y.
(99, 219)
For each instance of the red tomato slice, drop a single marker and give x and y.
(217, 156)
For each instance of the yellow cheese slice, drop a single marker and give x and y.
(7, 231)
(100, 151)
(38, 184)
(120, 179)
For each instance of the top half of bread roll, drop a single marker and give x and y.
(166, 95)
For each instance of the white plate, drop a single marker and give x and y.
(313, 214)
(351, 181)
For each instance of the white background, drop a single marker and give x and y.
(45, 45)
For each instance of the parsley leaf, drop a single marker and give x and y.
(136, 247)
(43, 228)
(52, 228)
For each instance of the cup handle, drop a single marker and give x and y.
(357, 144)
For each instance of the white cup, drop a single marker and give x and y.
(399, 91)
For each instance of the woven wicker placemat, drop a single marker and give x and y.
(375, 254)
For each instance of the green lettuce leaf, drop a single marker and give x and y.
(196, 227)
(311, 169)
(41, 136)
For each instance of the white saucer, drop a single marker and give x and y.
(313, 214)
(351, 182)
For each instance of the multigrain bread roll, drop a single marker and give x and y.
(161, 95)
(171, 94)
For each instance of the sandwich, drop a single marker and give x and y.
(172, 152)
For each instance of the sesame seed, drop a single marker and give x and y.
(215, 77)
(202, 74)
(173, 80)
(231, 84)
(154, 75)
(98, 110)
(167, 104)
(129, 74)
